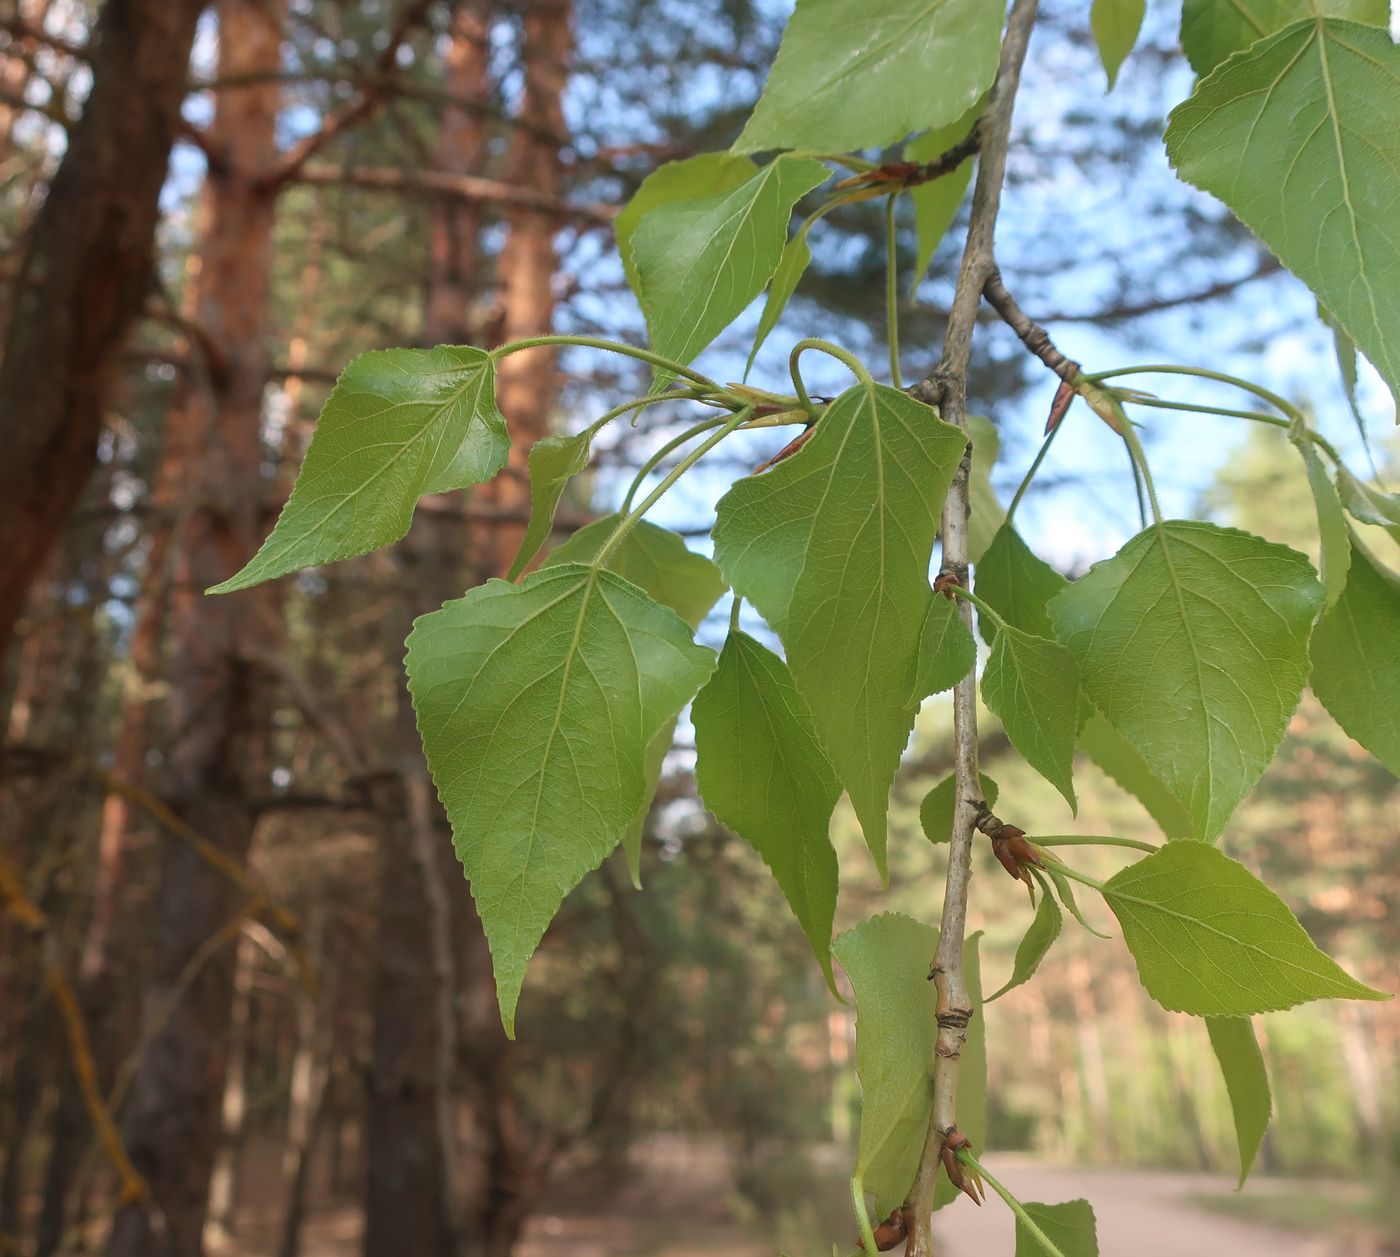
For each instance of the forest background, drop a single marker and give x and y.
(242, 914)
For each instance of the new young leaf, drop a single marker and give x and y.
(553, 462)
(1116, 25)
(1246, 1081)
(936, 811)
(947, 652)
(1035, 945)
(1016, 583)
(936, 202)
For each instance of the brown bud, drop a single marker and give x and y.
(944, 583)
(892, 1232)
(1063, 396)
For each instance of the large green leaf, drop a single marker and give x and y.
(1356, 658)
(833, 547)
(1116, 25)
(1031, 685)
(536, 703)
(659, 562)
(709, 174)
(553, 462)
(398, 424)
(1212, 940)
(1334, 543)
(1300, 136)
(1118, 758)
(972, 1071)
(1039, 937)
(936, 202)
(699, 263)
(887, 960)
(1069, 1226)
(936, 811)
(1016, 583)
(1212, 30)
(1246, 1080)
(947, 652)
(1193, 640)
(760, 770)
(842, 79)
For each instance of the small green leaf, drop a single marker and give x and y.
(1031, 685)
(947, 652)
(1246, 1080)
(842, 77)
(1116, 757)
(1069, 1226)
(1193, 641)
(887, 960)
(988, 514)
(936, 202)
(1016, 584)
(398, 424)
(1065, 889)
(1331, 526)
(699, 263)
(1369, 505)
(1116, 25)
(1324, 92)
(1211, 31)
(833, 548)
(1040, 936)
(936, 811)
(709, 174)
(760, 770)
(1212, 940)
(536, 703)
(972, 1073)
(1356, 658)
(793, 264)
(553, 462)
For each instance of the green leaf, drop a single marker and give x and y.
(1065, 889)
(1369, 505)
(398, 424)
(1069, 1226)
(1344, 349)
(936, 203)
(1117, 757)
(988, 514)
(1211, 31)
(1356, 658)
(842, 77)
(947, 652)
(699, 263)
(792, 265)
(760, 770)
(887, 960)
(1016, 584)
(1193, 640)
(1116, 25)
(536, 703)
(1040, 936)
(936, 811)
(1031, 685)
(1212, 940)
(660, 563)
(709, 174)
(833, 546)
(1327, 94)
(1331, 525)
(553, 462)
(1246, 1080)
(972, 1073)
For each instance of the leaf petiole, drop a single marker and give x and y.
(612, 346)
(1012, 1203)
(835, 351)
(1092, 840)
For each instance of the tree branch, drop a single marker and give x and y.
(1033, 336)
(947, 386)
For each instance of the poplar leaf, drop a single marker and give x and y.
(936, 202)
(936, 811)
(842, 77)
(398, 424)
(699, 263)
(1192, 640)
(1119, 760)
(658, 562)
(1116, 24)
(760, 770)
(553, 461)
(833, 547)
(536, 703)
(887, 960)
(947, 652)
(1334, 543)
(708, 174)
(1069, 1226)
(1212, 940)
(1325, 94)
(1016, 583)
(1356, 658)
(1246, 1081)
(1031, 685)
(1369, 505)
(972, 1073)
(1211, 31)
(792, 265)
(1035, 945)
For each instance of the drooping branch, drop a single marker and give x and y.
(947, 387)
